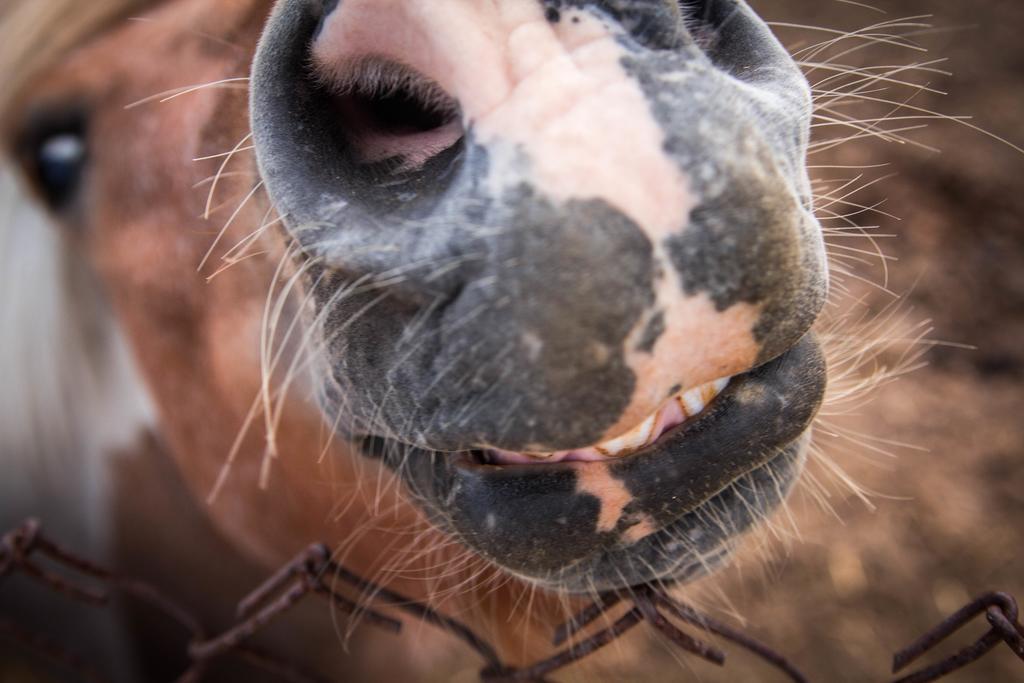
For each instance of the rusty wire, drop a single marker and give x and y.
(308, 574)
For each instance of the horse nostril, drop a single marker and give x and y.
(351, 138)
(389, 112)
(357, 151)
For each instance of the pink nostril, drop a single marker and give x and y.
(373, 60)
(387, 111)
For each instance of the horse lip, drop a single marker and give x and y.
(515, 515)
(676, 439)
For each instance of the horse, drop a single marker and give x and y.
(509, 303)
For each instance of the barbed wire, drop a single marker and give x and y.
(313, 572)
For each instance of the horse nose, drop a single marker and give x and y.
(556, 224)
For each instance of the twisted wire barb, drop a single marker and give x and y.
(1002, 614)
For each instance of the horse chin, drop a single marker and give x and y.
(668, 512)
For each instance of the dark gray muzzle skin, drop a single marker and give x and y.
(425, 282)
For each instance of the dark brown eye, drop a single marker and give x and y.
(54, 151)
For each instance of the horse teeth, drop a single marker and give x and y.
(635, 438)
(676, 410)
(693, 401)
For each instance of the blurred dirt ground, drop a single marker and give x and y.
(948, 521)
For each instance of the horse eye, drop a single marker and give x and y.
(54, 152)
(59, 162)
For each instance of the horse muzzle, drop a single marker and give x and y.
(532, 229)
